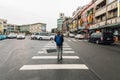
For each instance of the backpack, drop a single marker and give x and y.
(58, 40)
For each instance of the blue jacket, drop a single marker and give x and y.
(62, 40)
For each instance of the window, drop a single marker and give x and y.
(109, 1)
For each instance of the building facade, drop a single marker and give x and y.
(11, 28)
(66, 24)
(6, 28)
(33, 28)
(107, 17)
(37, 27)
(25, 28)
(60, 21)
(3, 22)
(98, 15)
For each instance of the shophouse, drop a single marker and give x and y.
(107, 18)
(75, 21)
(86, 19)
(66, 24)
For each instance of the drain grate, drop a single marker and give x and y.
(51, 50)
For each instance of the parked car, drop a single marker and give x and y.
(80, 36)
(12, 35)
(52, 36)
(21, 36)
(100, 37)
(43, 36)
(2, 36)
(34, 36)
(71, 35)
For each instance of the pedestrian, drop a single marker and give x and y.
(59, 43)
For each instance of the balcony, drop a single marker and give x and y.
(112, 6)
(98, 2)
(100, 12)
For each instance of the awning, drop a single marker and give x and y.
(116, 25)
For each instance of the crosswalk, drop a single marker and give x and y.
(75, 40)
(44, 55)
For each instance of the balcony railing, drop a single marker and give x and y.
(100, 12)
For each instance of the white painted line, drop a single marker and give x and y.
(54, 46)
(41, 52)
(67, 48)
(80, 40)
(69, 40)
(45, 48)
(74, 40)
(45, 51)
(55, 57)
(54, 66)
(68, 52)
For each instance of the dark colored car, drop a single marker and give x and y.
(105, 38)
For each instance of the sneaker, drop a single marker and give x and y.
(61, 58)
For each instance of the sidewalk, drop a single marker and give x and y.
(117, 43)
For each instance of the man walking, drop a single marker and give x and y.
(59, 42)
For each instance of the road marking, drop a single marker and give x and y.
(54, 66)
(68, 52)
(41, 52)
(44, 51)
(69, 40)
(74, 40)
(54, 46)
(55, 57)
(67, 48)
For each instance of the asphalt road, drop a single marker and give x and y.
(28, 60)
(103, 60)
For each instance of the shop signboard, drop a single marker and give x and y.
(94, 26)
(81, 27)
(74, 24)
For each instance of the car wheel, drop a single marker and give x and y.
(97, 42)
(51, 38)
(40, 38)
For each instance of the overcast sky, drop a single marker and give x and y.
(33, 11)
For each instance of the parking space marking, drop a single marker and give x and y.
(54, 66)
(55, 57)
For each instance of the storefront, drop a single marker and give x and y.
(114, 28)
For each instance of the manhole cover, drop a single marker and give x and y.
(51, 50)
